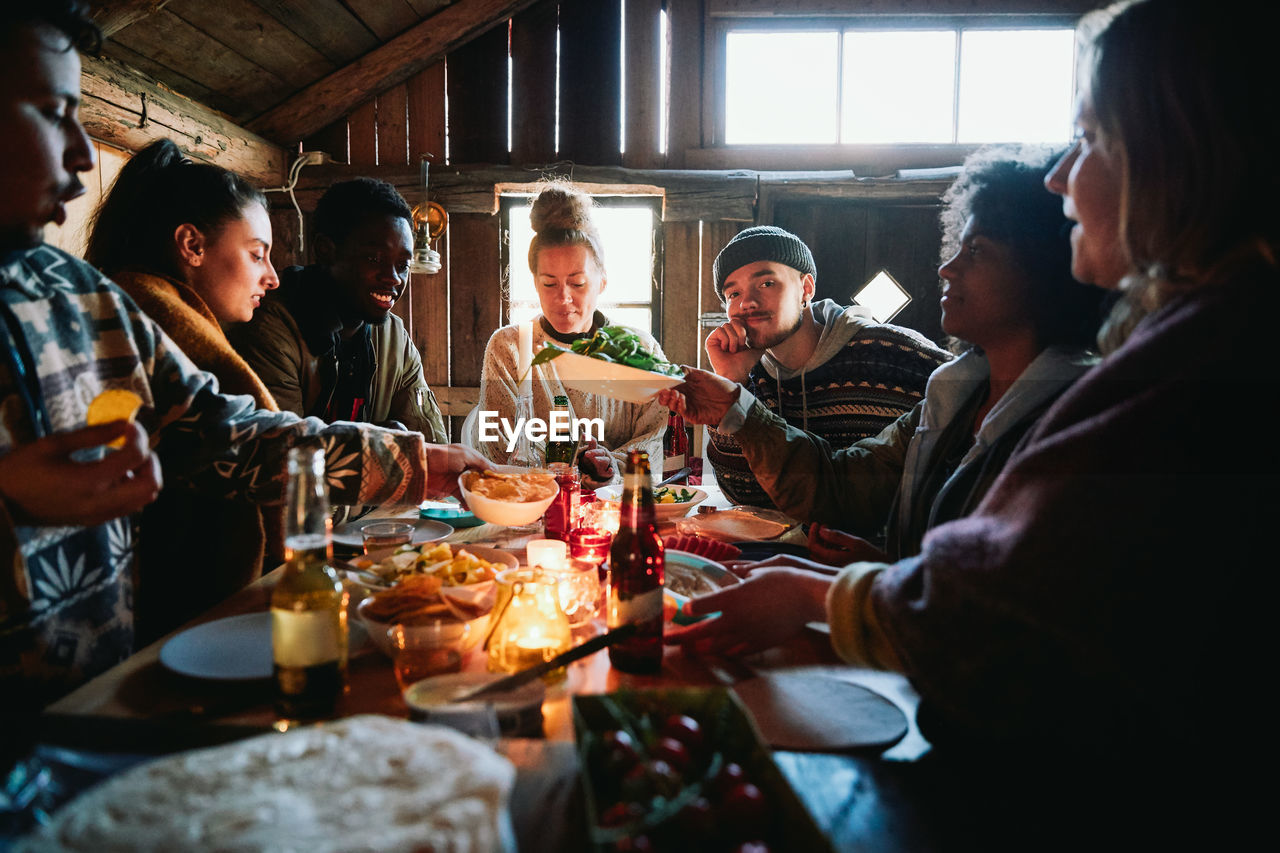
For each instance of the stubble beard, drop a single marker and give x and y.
(769, 341)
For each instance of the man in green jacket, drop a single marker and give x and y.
(326, 343)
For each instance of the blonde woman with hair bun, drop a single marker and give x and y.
(567, 262)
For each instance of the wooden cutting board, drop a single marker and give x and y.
(814, 713)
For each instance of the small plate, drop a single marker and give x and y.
(237, 648)
(609, 379)
(450, 512)
(424, 530)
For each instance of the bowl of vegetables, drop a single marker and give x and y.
(669, 502)
(614, 362)
(436, 590)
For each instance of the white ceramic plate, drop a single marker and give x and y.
(237, 648)
(424, 530)
(494, 555)
(609, 379)
(738, 524)
(663, 512)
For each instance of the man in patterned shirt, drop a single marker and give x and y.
(66, 334)
(821, 367)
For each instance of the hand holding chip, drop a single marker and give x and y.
(45, 481)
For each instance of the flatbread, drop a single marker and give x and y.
(735, 525)
(365, 783)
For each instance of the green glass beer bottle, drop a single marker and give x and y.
(561, 445)
(309, 604)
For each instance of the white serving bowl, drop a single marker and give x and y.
(610, 379)
(661, 512)
(507, 513)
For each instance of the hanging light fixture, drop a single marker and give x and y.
(429, 222)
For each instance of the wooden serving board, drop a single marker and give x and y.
(814, 713)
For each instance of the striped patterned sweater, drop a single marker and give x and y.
(875, 378)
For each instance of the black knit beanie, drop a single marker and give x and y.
(761, 243)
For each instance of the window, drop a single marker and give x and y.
(882, 296)
(630, 234)
(839, 83)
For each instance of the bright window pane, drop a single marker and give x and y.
(1015, 85)
(882, 296)
(780, 88)
(898, 86)
(626, 232)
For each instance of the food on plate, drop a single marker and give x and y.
(524, 487)
(668, 495)
(114, 404)
(703, 546)
(439, 559)
(691, 581)
(420, 579)
(312, 788)
(414, 599)
(738, 525)
(617, 344)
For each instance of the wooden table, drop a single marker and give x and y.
(139, 706)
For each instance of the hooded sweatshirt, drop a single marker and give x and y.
(861, 377)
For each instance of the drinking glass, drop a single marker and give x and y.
(386, 534)
(561, 516)
(422, 651)
(589, 548)
(579, 590)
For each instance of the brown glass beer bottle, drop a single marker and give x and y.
(636, 574)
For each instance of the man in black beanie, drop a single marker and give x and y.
(823, 367)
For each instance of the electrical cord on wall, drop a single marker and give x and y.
(306, 158)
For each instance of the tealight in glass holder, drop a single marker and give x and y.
(529, 625)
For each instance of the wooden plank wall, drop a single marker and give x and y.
(451, 315)
(73, 235)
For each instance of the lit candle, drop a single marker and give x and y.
(548, 553)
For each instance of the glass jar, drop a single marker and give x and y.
(529, 625)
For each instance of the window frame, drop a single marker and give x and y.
(715, 53)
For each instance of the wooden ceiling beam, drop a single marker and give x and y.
(394, 62)
(122, 107)
(112, 16)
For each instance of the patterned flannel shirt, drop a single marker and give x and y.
(65, 591)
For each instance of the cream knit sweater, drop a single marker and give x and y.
(627, 426)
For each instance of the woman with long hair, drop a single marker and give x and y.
(191, 243)
(1100, 617)
(567, 261)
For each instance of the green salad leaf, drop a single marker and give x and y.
(617, 344)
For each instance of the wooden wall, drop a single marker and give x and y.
(73, 235)
(451, 315)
